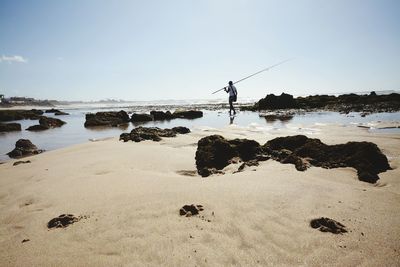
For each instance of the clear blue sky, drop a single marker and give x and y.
(180, 49)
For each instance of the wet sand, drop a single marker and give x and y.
(128, 198)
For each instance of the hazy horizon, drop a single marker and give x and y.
(153, 50)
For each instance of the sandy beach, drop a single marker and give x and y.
(129, 195)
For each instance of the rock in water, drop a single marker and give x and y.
(141, 117)
(328, 225)
(152, 133)
(161, 115)
(46, 123)
(53, 110)
(50, 122)
(23, 148)
(110, 118)
(188, 114)
(10, 127)
(13, 115)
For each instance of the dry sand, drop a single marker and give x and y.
(132, 193)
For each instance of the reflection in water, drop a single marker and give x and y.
(275, 117)
(231, 118)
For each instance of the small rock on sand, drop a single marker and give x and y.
(328, 225)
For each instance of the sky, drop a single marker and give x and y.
(181, 49)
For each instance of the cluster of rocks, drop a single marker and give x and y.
(152, 133)
(15, 115)
(108, 118)
(33, 114)
(56, 112)
(23, 148)
(46, 123)
(342, 103)
(215, 152)
(113, 118)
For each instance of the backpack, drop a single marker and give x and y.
(234, 98)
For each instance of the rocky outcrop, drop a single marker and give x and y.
(53, 110)
(61, 113)
(109, 118)
(188, 114)
(37, 127)
(302, 151)
(161, 115)
(167, 115)
(215, 152)
(151, 133)
(10, 127)
(23, 148)
(141, 117)
(14, 115)
(46, 123)
(343, 103)
(271, 101)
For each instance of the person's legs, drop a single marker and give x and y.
(231, 106)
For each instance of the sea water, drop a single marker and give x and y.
(74, 132)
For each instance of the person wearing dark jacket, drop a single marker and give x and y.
(231, 89)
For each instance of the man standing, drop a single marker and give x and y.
(231, 89)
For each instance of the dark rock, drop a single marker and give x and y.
(344, 103)
(161, 115)
(110, 118)
(190, 210)
(277, 117)
(37, 128)
(13, 115)
(181, 130)
(188, 114)
(151, 133)
(24, 147)
(10, 127)
(328, 225)
(50, 122)
(52, 110)
(21, 162)
(271, 101)
(365, 157)
(215, 152)
(60, 113)
(141, 117)
(62, 221)
(25, 240)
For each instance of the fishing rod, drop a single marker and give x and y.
(270, 67)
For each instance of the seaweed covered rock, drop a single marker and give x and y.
(10, 127)
(271, 101)
(53, 110)
(136, 117)
(151, 133)
(188, 114)
(161, 115)
(302, 151)
(46, 123)
(51, 122)
(109, 118)
(23, 148)
(215, 152)
(13, 115)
